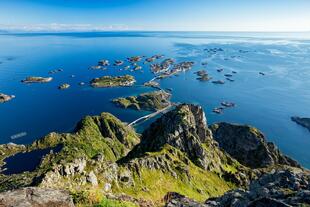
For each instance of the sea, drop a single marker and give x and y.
(271, 80)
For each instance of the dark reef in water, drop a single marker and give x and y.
(305, 122)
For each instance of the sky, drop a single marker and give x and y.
(155, 15)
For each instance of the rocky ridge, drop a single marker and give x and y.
(280, 187)
(104, 158)
(249, 146)
(284, 187)
(186, 130)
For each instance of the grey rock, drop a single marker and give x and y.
(186, 129)
(267, 202)
(271, 189)
(77, 166)
(36, 197)
(173, 199)
(5, 98)
(107, 187)
(92, 178)
(249, 146)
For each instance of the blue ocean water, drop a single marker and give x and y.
(266, 102)
(27, 161)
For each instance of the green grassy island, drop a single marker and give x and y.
(152, 101)
(33, 79)
(110, 81)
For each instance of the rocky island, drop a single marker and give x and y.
(97, 67)
(152, 84)
(203, 75)
(109, 81)
(152, 101)
(5, 98)
(305, 122)
(103, 63)
(33, 79)
(118, 62)
(163, 66)
(177, 161)
(134, 59)
(55, 71)
(64, 86)
(218, 82)
(168, 67)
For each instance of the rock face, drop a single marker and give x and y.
(91, 178)
(63, 86)
(36, 197)
(147, 101)
(186, 129)
(305, 122)
(288, 187)
(203, 75)
(278, 188)
(5, 98)
(33, 79)
(96, 139)
(249, 146)
(177, 153)
(173, 199)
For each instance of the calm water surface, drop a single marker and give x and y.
(266, 102)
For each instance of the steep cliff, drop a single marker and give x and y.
(249, 146)
(185, 129)
(105, 161)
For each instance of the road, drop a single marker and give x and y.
(143, 118)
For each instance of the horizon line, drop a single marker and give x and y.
(103, 31)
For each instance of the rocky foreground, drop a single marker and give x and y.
(283, 188)
(178, 161)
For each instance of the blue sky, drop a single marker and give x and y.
(184, 15)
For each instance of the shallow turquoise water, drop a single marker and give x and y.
(266, 102)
